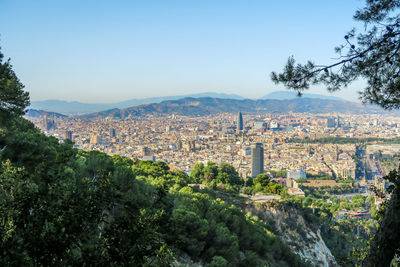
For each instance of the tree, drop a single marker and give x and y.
(198, 172)
(373, 55)
(386, 241)
(262, 179)
(228, 175)
(13, 100)
(210, 171)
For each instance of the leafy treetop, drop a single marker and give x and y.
(13, 100)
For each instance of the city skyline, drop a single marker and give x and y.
(98, 52)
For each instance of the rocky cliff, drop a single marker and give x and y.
(302, 237)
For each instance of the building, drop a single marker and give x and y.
(291, 183)
(258, 125)
(331, 123)
(49, 124)
(296, 174)
(113, 133)
(68, 135)
(146, 151)
(95, 139)
(179, 144)
(240, 122)
(257, 159)
(274, 125)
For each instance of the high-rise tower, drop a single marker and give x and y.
(257, 159)
(68, 135)
(240, 122)
(113, 133)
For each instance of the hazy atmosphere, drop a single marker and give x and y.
(170, 133)
(109, 51)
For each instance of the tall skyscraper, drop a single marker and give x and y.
(49, 123)
(113, 133)
(68, 135)
(240, 122)
(257, 159)
(331, 122)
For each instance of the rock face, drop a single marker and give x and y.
(318, 252)
(303, 238)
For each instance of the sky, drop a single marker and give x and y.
(108, 51)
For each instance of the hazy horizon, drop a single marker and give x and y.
(188, 95)
(103, 52)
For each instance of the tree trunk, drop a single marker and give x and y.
(387, 239)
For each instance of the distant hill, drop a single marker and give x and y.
(67, 107)
(82, 108)
(40, 113)
(287, 95)
(207, 105)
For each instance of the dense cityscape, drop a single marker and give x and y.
(288, 142)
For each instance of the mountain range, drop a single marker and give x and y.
(190, 106)
(75, 107)
(42, 113)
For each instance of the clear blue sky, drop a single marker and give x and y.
(108, 51)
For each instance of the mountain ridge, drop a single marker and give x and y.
(79, 108)
(41, 113)
(76, 107)
(206, 106)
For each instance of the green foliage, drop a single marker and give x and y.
(262, 179)
(210, 171)
(198, 172)
(320, 176)
(346, 237)
(218, 261)
(326, 191)
(262, 183)
(213, 175)
(13, 100)
(209, 229)
(64, 206)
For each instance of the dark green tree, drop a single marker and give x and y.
(210, 171)
(373, 55)
(262, 179)
(13, 99)
(198, 172)
(227, 174)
